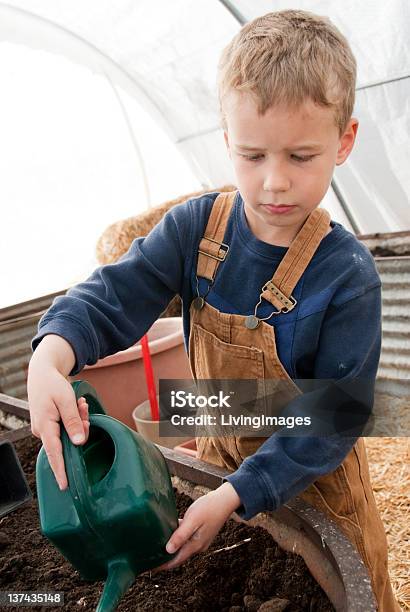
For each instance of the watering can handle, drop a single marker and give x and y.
(73, 456)
(82, 388)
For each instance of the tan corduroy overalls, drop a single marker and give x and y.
(231, 346)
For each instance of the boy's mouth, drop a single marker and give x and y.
(279, 208)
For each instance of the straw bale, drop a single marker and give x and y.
(389, 460)
(117, 238)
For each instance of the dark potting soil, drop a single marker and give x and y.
(235, 580)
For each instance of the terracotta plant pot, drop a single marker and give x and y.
(120, 380)
(150, 429)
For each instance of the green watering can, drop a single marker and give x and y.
(119, 511)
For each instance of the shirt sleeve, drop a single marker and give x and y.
(283, 466)
(119, 302)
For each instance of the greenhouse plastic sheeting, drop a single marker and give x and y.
(165, 54)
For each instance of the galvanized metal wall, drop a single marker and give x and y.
(394, 369)
(392, 244)
(18, 325)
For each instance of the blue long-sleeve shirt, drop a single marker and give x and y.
(334, 332)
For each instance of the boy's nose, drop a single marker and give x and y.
(276, 180)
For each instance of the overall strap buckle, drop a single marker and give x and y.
(212, 251)
(220, 254)
(288, 303)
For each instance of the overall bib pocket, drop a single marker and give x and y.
(223, 360)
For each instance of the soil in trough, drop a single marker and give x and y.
(235, 580)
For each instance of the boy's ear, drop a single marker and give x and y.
(347, 141)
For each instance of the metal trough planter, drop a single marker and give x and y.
(297, 526)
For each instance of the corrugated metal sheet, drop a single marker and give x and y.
(18, 324)
(387, 245)
(394, 369)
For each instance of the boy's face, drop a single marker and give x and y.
(283, 161)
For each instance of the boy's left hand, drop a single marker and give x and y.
(201, 522)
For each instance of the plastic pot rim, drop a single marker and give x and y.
(156, 346)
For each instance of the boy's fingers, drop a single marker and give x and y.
(186, 530)
(82, 409)
(73, 423)
(86, 425)
(187, 550)
(54, 451)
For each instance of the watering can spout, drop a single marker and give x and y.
(120, 577)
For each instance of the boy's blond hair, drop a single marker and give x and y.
(288, 57)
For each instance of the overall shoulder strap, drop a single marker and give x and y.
(211, 248)
(278, 290)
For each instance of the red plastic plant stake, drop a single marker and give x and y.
(149, 377)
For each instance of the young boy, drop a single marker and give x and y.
(295, 296)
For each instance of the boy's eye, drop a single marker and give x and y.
(302, 158)
(253, 157)
(298, 158)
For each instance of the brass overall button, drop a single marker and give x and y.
(198, 303)
(251, 322)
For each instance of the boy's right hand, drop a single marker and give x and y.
(52, 401)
